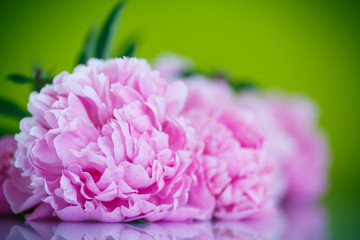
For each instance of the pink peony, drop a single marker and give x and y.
(297, 146)
(7, 150)
(236, 166)
(107, 143)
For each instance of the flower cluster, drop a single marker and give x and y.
(117, 141)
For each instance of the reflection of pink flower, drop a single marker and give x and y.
(305, 222)
(7, 150)
(261, 229)
(236, 166)
(294, 142)
(93, 230)
(106, 143)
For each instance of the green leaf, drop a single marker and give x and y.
(108, 33)
(128, 50)
(19, 78)
(89, 48)
(241, 85)
(189, 72)
(41, 76)
(45, 76)
(11, 109)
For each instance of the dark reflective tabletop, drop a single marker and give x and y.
(308, 222)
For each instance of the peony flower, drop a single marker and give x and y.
(107, 143)
(7, 150)
(235, 164)
(296, 145)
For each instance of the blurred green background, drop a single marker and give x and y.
(300, 46)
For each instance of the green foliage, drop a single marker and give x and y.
(19, 78)
(9, 108)
(6, 131)
(100, 42)
(89, 48)
(240, 85)
(41, 77)
(128, 50)
(236, 84)
(108, 33)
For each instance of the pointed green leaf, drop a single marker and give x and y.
(11, 109)
(128, 50)
(189, 72)
(108, 33)
(89, 48)
(45, 76)
(19, 78)
(241, 85)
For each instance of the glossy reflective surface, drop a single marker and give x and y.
(293, 223)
